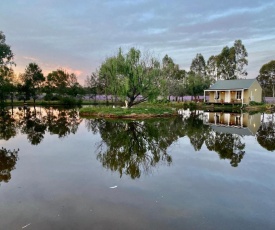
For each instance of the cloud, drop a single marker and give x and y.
(30, 58)
(80, 36)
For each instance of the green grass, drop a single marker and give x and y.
(139, 111)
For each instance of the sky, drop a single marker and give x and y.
(78, 36)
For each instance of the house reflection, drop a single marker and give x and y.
(242, 124)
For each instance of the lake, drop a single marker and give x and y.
(200, 170)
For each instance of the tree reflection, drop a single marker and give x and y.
(62, 121)
(134, 147)
(266, 135)
(8, 160)
(8, 125)
(35, 122)
(33, 126)
(228, 146)
(195, 129)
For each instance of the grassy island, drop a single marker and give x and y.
(134, 112)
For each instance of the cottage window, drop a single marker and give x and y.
(239, 95)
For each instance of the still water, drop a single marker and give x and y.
(200, 170)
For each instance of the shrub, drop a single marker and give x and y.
(70, 101)
(252, 103)
(51, 97)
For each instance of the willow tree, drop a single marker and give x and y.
(109, 76)
(132, 75)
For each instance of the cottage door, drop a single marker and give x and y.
(227, 97)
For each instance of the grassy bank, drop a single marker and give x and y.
(53, 103)
(135, 112)
(144, 109)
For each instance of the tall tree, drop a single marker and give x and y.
(74, 88)
(241, 59)
(32, 81)
(6, 54)
(61, 82)
(230, 63)
(212, 68)
(6, 72)
(266, 78)
(174, 77)
(198, 65)
(196, 84)
(226, 64)
(92, 84)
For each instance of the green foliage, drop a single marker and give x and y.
(32, 81)
(266, 77)
(108, 111)
(172, 78)
(130, 75)
(226, 63)
(93, 84)
(70, 101)
(198, 65)
(240, 59)
(252, 103)
(229, 64)
(161, 101)
(51, 97)
(196, 84)
(6, 54)
(63, 83)
(6, 72)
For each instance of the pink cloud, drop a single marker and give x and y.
(30, 58)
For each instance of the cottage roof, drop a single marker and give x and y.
(232, 84)
(244, 131)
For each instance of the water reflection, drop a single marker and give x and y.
(135, 147)
(35, 122)
(266, 134)
(218, 132)
(228, 146)
(242, 124)
(8, 125)
(8, 160)
(195, 129)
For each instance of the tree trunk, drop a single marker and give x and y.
(12, 99)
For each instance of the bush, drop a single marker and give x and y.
(51, 97)
(70, 101)
(252, 103)
(161, 101)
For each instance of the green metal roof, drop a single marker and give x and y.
(232, 84)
